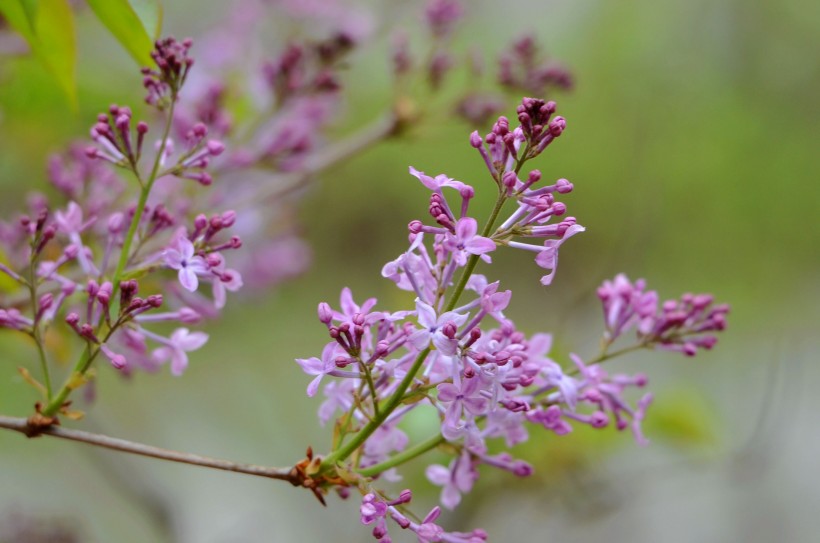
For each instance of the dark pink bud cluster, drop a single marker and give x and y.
(112, 133)
(172, 66)
(678, 325)
(522, 68)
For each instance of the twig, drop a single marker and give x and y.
(22, 425)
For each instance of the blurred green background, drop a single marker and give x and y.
(693, 146)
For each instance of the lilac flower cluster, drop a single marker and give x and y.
(455, 351)
(87, 263)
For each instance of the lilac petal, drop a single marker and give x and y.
(311, 366)
(219, 294)
(426, 314)
(420, 339)
(447, 392)
(450, 497)
(188, 279)
(172, 259)
(179, 361)
(466, 228)
(437, 474)
(476, 406)
(457, 318)
(186, 248)
(189, 341)
(347, 304)
(445, 345)
(479, 245)
(314, 385)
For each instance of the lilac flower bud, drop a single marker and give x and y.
(189, 316)
(557, 126)
(415, 226)
(475, 139)
(154, 300)
(509, 179)
(87, 331)
(116, 223)
(325, 313)
(104, 293)
(599, 419)
(215, 147)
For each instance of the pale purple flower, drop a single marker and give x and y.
(181, 257)
(182, 341)
(466, 241)
(464, 397)
(438, 182)
(319, 367)
(455, 480)
(431, 328)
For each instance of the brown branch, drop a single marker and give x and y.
(290, 475)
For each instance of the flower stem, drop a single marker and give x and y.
(361, 436)
(88, 356)
(35, 330)
(471, 263)
(403, 457)
(143, 199)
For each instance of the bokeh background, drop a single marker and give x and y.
(693, 146)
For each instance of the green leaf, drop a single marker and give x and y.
(150, 13)
(123, 22)
(48, 27)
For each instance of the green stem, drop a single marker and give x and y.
(471, 263)
(143, 199)
(88, 356)
(62, 395)
(361, 436)
(403, 457)
(35, 330)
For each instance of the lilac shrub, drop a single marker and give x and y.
(456, 354)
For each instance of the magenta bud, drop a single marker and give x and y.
(236, 242)
(154, 300)
(116, 222)
(200, 222)
(228, 218)
(475, 139)
(142, 127)
(563, 186)
(72, 319)
(46, 301)
(205, 179)
(200, 130)
(325, 313)
(215, 147)
(213, 260)
(467, 192)
(449, 330)
(557, 126)
(71, 251)
(415, 226)
(509, 179)
(599, 420)
(92, 288)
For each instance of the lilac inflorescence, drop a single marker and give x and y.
(86, 262)
(462, 357)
